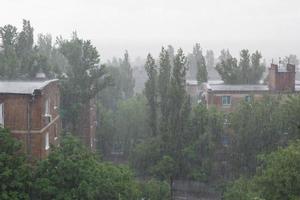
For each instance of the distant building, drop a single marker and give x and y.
(193, 89)
(30, 109)
(225, 97)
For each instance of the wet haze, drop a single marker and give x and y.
(142, 26)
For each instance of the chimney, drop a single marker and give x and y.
(282, 79)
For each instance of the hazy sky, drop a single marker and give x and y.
(272, 26)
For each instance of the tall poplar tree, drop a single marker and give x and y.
(151, 92)
(128, 81)
(163, 85)
(179, 107)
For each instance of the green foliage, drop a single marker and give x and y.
(186, 141)
(112, 94)
(127, 81)
(249, 70)
(197, 64)
(260, 127)
(106, 130)
(210, 59)
(151, 93)
(202, 140)
(241, 189)
(155, 190)
(291, 59)
(123, 128)
(72, 172)
(14, 171)
(85, 77)
(291, 116)
(165, 168)
(20, 58)
(130, 131)
(145, 155)
(163, 86)
(278, 177)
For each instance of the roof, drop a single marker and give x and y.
(23, 87)
(191, 82)
(242, 88)
(195, 82)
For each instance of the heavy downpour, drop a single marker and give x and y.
(150, 100)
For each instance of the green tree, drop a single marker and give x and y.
(24, 50)
(14, 171)
(128, 81)
(179, 109)
(163, 86)
(241, 189)
(210, 59)
(9, 63)
(257, 67)
(151, 93)
(228, 68)
(155, 190)
(145, 155)
(200, 63)
(258, 127)
(111, 95)
(197, 64)
(291, 116)
(248, 71)
(291, 59)
(106, 130)
(131, 123)
(73, 172)
(277, 178)
(84, 78)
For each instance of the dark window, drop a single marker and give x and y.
(226, 100)
(248, 98)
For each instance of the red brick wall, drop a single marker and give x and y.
(281, 81)
(236, 99)
(16, 119)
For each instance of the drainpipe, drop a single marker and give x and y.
(29, 126)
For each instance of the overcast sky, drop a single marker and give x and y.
(142, 26)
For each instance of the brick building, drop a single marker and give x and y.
(281, 80)
(30, 109)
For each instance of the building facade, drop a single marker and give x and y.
(281, 80)
(30, 109)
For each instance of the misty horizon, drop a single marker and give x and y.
(143, 27)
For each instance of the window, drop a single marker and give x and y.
(47, 107)
(248, 98)
(47, 146)
(1, 115)
(226, 100)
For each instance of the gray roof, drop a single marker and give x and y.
(195, 82)
(23, 87)
(242, 88)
